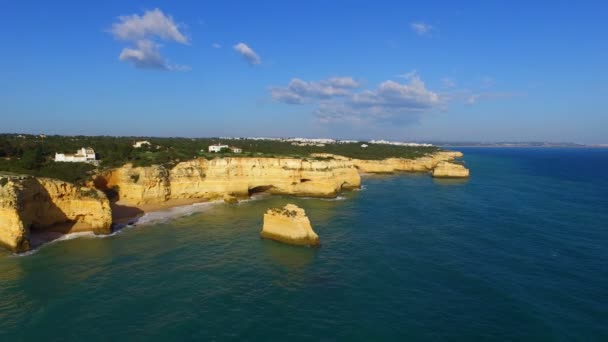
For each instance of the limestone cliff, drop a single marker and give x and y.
(450, 170)
(213, 179)
(28, 203)
(389, 165)
(289, 225)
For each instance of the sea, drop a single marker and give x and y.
(518, 252)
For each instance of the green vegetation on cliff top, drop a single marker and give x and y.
(33, 154)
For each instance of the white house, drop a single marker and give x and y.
(83, 155)
(139, 144)
(217, 147)
(363, 145)
(235, 149)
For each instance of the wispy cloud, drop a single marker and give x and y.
(472, 99)
(299, 91)
(421, 28)
(143, 31)
(216, 46)
(344, 99)
(338, 100)
(448, 82)
(248, 54)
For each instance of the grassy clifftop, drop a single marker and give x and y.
(33, 154)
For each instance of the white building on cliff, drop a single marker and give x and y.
(217, 147)
(140, 144)
(83, 155)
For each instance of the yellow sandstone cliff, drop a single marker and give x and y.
(30, 204)
(214, 179)
(390, 165)
(27, 203)
(289, 225)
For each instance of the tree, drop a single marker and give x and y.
(32, 158)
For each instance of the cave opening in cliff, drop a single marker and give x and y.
(260, 189)
(304, 180)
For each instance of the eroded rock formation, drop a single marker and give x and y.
(28, 204)
(289, 225)
(450, 170)
(239, 177)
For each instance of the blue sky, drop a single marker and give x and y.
(474, 71)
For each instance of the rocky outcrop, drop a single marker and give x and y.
(289, 225)
(390, 165)
(239, 177)
(450, 170)
(33, 204)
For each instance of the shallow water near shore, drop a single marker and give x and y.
(517, 252)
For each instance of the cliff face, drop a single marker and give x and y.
(289, 225)
(390, 165)
(212, 179)
(28, 203)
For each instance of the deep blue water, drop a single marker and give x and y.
(518, 252)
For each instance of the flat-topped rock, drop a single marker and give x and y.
(446, 169)
(289, 225)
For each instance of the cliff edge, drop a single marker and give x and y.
(29, 204)
(239, 177)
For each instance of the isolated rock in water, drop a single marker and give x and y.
(446, 169)
(289, 225)
(230, 199)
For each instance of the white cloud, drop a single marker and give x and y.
(421, 28)
(153, 23)
(337, 100)
(299, 91)
(248, 54)
(145, 55)
(216, 46)
(413, 96)
(344, 82)
(143, 32)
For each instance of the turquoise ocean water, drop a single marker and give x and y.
(518, 252)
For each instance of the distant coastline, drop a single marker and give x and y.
(523, 145)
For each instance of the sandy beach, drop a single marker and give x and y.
(125, 213)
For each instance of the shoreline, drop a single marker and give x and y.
(140, 206)
(123, 213)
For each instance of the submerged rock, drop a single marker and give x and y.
(289, 225)
(230, 199)
(446, 169)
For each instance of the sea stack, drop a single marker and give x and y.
(289, 225)
(446, 169)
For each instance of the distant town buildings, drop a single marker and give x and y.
(307, 144)
(323, 142)
(83, 155)
(397, 143)
(140, 144)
